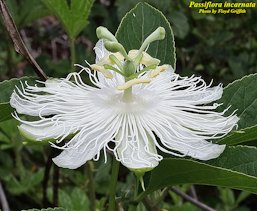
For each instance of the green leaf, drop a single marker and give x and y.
(140, 22)
(75, 200)
(241, 95)
(27, 182)
(7, 88)
(6, 111)
(240, 136)
(27, 11)
(73, 15)
(31, 11)
(180, 23)
(235, 168)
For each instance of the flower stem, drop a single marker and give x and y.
(90, 169)
(114, 179)
(136, 188)
(72, 53)
(127, 95)
(140, 197)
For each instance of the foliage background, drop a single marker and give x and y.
(218, 47)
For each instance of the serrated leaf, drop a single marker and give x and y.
(75, 200)
(241, 95)
(140, 22)
(31, 11)
(241, 159)
(6, 111)
(28, 181)
(7, 88)
(180, 23)
(73, 15)
(27, 11)
(235, 168)
(240, 136)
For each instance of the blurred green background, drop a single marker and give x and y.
(218, 47)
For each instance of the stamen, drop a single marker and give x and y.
(115, 47)
(155, 72)
(133, 82)
(107, 60)
(104, 33)
(101, 69)
(158, 34)
(146, 58)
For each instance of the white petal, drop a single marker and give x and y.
(104, 82)
(87, 144)
(45, 131)
(188, 142)
(136, 150)
(72, 106)
(100, 50)
(53, 98)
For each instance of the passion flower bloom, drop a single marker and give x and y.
(133, 108)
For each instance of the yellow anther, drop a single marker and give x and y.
(158, 70)
(146, 59)
(133, 82)
(106, 59)
(101, 69)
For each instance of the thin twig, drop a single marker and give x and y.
(19, 45)
(192, 200)
(193, 192)
(3, 199)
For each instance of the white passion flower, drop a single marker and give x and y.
(133, 108)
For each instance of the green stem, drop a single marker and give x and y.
(127, 95)
(116, 61)
(114, 179)
(109, 67)
(135, 75)
(72, 53)
(140, 197)
(136, 188)
(90, 169)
